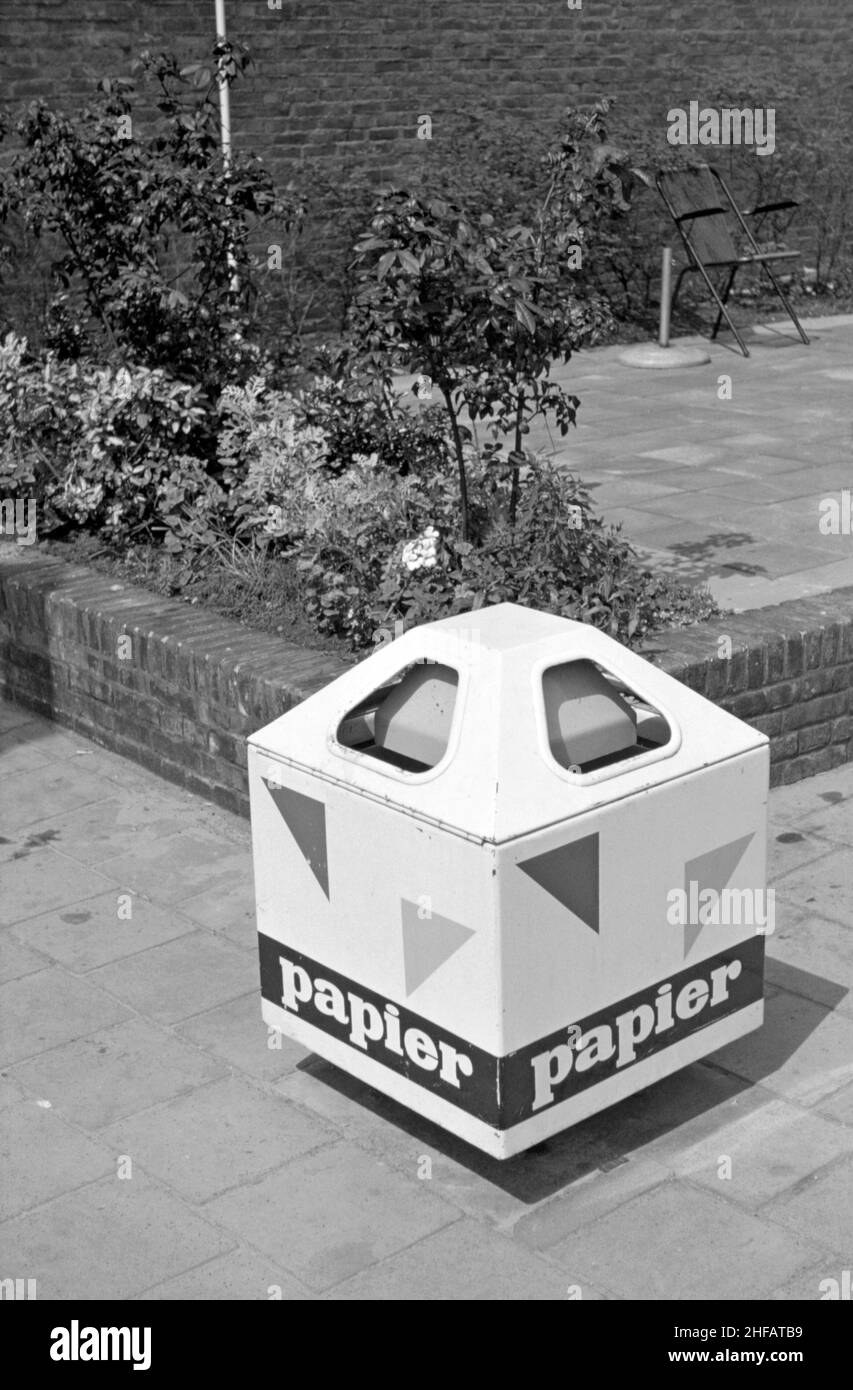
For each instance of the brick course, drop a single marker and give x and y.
(196, 685)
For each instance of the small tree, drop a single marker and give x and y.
(483, 307)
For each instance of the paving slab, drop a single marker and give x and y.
(38, 879)
(829, 894)
(59, 786)
(463, 1262)
(16, 960)
(107, 828)
(839, 1105)
(239, 1275)
(680, 1242)
(760, 1153)
(331, 1215)
(235, 1033)
(116, 1071)
(109, 1240)
(172, 868)
(49, 1008)
(820, 1208)
(809, 1284)
(100, 929)
(44, 1157)
(180, 978)
(216, 1137)
(804, 1051)
(813, 956)
(229, 910)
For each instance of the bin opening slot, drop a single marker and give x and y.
(405, 723)
(594, 719)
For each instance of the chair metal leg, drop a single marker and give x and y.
(722, 308)
(781, 293)
(681, 274)
(726, 293)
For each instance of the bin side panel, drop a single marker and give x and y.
(402, 1041)
(600, 907)
(362, 888)
(612, 1041)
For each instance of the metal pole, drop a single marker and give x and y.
(225, 124)
(224, 94)
(665, 295)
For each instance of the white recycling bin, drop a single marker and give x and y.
(508, 872)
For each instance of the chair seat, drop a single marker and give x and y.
(769, 256)
(751, 257)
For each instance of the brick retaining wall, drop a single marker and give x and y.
(182, 695)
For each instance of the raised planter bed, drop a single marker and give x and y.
(179, 690)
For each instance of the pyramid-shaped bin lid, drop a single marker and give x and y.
(502, 721)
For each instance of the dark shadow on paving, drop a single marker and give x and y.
(741, 568)
(707, 548)
(820, 996)
(607, 1140)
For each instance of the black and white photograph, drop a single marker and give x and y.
(426, 669)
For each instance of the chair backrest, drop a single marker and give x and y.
(690, 190)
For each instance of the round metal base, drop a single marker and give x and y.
(655, 356)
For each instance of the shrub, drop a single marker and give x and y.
(360, 414)
(105, 448)
(153, 231)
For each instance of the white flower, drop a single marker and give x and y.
(275, 524)
(421, 553)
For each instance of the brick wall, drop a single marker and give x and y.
(357, 74)
(182, 695)
(346, 80)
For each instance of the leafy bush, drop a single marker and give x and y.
(109, 449)
(501, 165)
(154, 262)
(267, 459)
(360, 414)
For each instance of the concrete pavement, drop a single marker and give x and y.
(158, 1144)
(716, 473)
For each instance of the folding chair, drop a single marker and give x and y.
(701, 206)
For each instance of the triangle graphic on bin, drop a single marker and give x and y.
(570, 874)
(711, 870)
(305, 818)
(427, 943)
